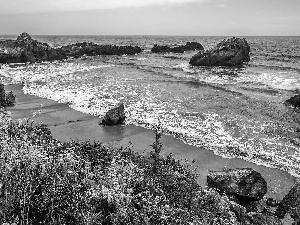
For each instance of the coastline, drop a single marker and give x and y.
(67, 124)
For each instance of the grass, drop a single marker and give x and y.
(44, 181)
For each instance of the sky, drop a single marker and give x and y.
(151, 17)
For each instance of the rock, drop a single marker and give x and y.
(189, 46)
(230, 52)
(294, 101)
(25, 49)
(254, 218)
(91, 49)
(114, 116)
(290, 204)
(160, 49)
(246, 184)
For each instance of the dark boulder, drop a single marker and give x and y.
(230, 52)
(189, 46)
(114, 116)
(246, 184)
(290, 204)
(294, 101)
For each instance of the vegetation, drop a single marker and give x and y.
(6, 99)
(44, 181)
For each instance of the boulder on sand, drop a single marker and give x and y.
(290, 204)
(114, 116)
(230, 52)
(294, 101)
(245, 184)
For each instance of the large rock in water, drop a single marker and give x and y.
(245, 184)
(294, 101)
(290, 204)
(230, 52)
(114, 116)
(25, 49)
(92, 49)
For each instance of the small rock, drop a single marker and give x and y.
(246, 184)
(114, 116)
(290, 204)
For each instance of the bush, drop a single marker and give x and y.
(44, 181)
(6, 99)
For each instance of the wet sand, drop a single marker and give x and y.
(67, 124)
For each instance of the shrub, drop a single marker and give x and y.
(44, 181)
(6, 99)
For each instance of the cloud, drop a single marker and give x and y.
(31, 6)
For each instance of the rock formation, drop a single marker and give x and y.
(245, 184)
(25, 49)
(189, 46)
(114, 116)
(294, 101)
(230, 52)
(290, 204)
(92, 49)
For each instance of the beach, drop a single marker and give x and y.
(67, 124)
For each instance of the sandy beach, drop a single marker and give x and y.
(67, 124)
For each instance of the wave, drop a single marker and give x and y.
(96, 88)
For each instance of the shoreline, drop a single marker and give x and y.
(67, 124)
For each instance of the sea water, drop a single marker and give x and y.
(232, 111)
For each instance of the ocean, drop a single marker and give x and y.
(236, 112)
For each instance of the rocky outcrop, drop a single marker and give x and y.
(245, 184)
(160, 49)
(290, 204)
(189, 46)
(294, 101)
(230, 52)
(92, 49)
(25, 49)
(114, 116)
